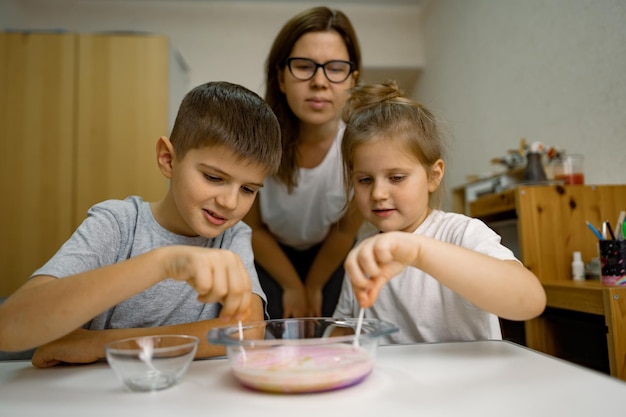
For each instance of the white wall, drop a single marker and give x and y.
(228, 40)
(494, 70)
(548, 70)
(8, 13)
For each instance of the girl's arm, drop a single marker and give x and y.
(269, 254)
(38, 312)
(502, 287)
(336, 246)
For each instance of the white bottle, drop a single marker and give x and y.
(578, 268)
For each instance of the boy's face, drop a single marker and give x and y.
(212, 189)
(391, 186)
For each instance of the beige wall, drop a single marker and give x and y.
(230, 40)
(494, 70)
(548, 70)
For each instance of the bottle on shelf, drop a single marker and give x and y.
(578, 267)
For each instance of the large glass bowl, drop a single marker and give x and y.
(303, 354)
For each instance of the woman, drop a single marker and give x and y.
(302, 230)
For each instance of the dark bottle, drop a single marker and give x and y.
(534, 168)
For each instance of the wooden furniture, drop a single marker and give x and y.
(551, 226)
(79, 116)
(587, 297)
(482, 379)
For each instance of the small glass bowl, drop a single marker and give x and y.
(301, 355)
(151, 363)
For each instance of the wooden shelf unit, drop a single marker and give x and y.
(550, 227)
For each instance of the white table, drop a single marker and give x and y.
(488, 378)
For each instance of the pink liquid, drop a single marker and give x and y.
(297, 369)
(571, 179)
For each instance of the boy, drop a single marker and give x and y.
(135, 268)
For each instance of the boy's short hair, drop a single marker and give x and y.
(222, 113)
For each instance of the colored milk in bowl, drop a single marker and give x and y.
(302, 368)
(302, 355)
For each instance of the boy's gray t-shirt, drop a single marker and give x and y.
(116, 230)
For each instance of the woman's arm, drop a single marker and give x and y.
(269, 254)
(503, 287)
(336, 246)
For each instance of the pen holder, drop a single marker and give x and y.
(613, 261)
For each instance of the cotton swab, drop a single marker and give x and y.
(240, 329)
(147, 349)
(359, 325)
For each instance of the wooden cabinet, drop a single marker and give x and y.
(551, 222)
(79, 118)
(584, 322)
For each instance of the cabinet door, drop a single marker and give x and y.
(36, 150)
(122, 110)
(552, 224)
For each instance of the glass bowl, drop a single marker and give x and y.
(301, 355)
(151, 363)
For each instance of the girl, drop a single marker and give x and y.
(451, 276)
(301, 230)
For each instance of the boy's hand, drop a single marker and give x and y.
(217, 275)
(79, 346)
(376, 260)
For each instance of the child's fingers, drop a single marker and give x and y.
(202, 282)
(212, 286)
(238, 295)
(366, 297)
(373, 255)
(356, 268)
(235, 306)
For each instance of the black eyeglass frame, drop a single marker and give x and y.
(288, 62)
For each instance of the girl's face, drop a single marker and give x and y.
(391, 186)
(317, 101)
(211, 189)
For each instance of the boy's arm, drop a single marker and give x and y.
(46, 308)
(86, 346)
(502, 287)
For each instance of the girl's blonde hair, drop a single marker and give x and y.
(382, 111)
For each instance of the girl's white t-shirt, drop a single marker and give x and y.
(424, 309)
(303, 218)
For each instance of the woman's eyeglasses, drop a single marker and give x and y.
(303, 69)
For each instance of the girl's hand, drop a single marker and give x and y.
(217, 275)
(376, 260)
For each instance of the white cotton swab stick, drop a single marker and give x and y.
(240, 328)
(359, 325)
